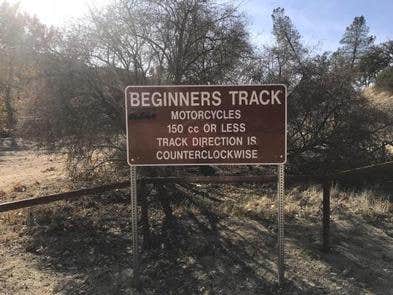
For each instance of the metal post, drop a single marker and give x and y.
(326, 216)
(134, 223)
(280, 215)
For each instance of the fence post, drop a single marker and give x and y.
(326, 187)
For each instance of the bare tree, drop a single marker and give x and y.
(80, 104)
(22, 39)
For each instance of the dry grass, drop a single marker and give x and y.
(368, 203)
(380, 99)
(68, 240)
(306, 203)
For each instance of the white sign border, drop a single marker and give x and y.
(207, 164)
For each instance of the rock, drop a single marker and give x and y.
(20, 188)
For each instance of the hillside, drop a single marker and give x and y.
(383, 100)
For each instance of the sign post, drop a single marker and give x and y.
(134, 223)
(280, 219)
(207, 125)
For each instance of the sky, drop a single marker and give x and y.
(320, 22)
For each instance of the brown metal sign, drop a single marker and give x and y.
(204, 125)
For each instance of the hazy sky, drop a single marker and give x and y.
(321, 22)
(58, 12)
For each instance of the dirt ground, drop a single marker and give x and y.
(22, 168)
(225, 243)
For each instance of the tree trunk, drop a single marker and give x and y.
(145, 217)
(10, 112)
(10, 119)
(166, 205)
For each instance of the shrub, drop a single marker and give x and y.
(385, 79)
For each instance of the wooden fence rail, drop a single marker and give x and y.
(30, 202)
(384, 170)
